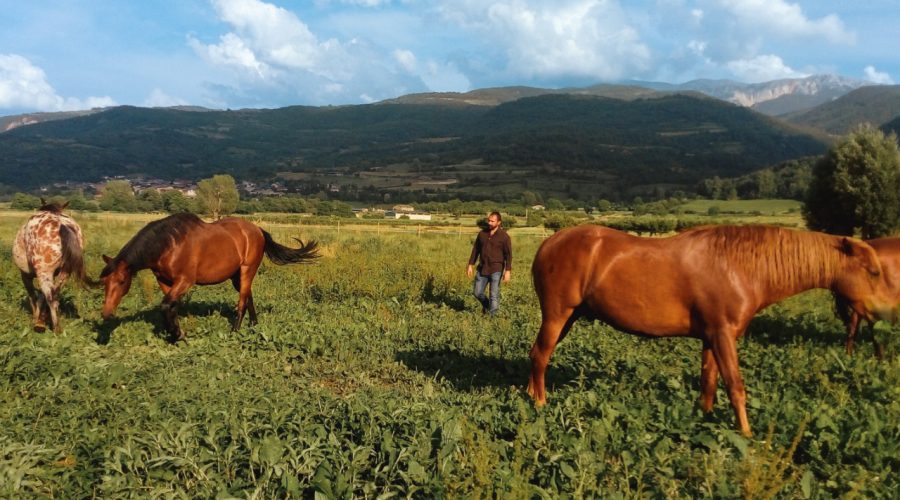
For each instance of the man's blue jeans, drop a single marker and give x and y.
(492, 305)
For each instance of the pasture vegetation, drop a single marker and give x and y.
(373, 374)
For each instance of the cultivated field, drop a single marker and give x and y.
(372, 374)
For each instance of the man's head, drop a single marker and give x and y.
(494, 220)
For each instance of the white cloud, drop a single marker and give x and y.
(231, 52)
(580, 38)
(878, 77)
(24, 85)
(763, 68)
(444, 78)
(785, 19)
(437, 77)
(406, 59)
(159, 99)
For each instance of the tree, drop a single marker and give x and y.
(218, 196)
(175, 202)
(150, 200)
(117, 196)
(23, 201)
(856, 186)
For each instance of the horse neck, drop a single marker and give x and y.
(801, 266)
(795, 264)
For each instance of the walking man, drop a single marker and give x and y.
(494, 248)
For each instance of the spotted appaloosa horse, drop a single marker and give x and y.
(49, 247)
(705, 283)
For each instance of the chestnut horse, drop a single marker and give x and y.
(49, 247)
(888, 250)
(181, 250)
(705, 283)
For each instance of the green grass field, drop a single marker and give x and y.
(372, 374)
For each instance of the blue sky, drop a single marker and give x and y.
(76, 54)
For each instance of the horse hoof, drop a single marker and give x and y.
(40, 328)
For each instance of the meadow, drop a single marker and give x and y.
(373, 374)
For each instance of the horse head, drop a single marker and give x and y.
(52, 206)
(116, 279)
(862, 283)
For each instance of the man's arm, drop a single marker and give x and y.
(476, 251)
(507, 258)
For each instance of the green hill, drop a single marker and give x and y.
(875, 105)
(565, 145)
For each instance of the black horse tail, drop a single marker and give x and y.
(281, 254)
(72, 259)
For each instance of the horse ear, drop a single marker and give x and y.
(107, 259)
(64, 205)
(42, 201)
(848, 247)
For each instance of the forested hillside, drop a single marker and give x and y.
(606, 146)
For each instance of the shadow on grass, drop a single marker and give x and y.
(468, 372)
(442, 296)
(154, 316)
(769, 330)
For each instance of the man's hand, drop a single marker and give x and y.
(506, 276)
(470, 271)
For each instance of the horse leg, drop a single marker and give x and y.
(879, 348)
(243, 281)
(554, 327)
(33, 300)
(724, 348)
(236, 283)
(170, 309)
(50, 294)
(709, 378)
(852, 331)
(54, 300)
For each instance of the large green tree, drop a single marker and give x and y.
(856, 186)
(118, 195)
(218, 196)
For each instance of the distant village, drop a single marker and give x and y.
(248, 188)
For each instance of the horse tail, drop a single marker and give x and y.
(280, 254)
(72, 259)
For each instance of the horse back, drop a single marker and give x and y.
(215, 252)
(38, 246)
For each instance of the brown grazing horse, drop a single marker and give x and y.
(888, 250)
(705, 283)
(181, 250)
(49, 247)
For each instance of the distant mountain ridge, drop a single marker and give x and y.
(774, 98)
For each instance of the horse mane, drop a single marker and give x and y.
(783, 258)
(152, 240)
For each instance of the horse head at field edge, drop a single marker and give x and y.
(706, 282)
(116, 279)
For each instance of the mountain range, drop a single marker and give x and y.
(600, 141)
